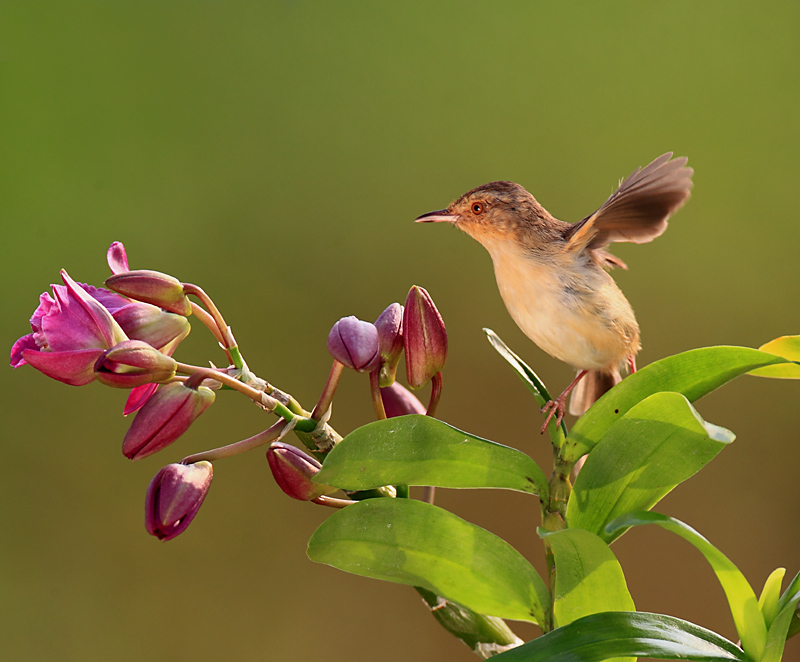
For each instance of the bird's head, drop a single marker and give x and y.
(497, 210)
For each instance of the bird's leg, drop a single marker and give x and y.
(632, 363)
(559, 405)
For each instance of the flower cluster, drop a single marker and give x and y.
(125, 334)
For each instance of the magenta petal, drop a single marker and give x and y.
(26, 342)
(138, 397)
(174, 496)
(81, 309)
(75, 368)
(111, 300)
(117, 258)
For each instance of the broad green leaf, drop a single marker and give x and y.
(741, 599)
(614, 634)
(694, 373)
(531, 380)
(778, 631)
(589, 579)
(650, 449)
(419, 450)
(411, 542)
(789, 348)
(770, 594)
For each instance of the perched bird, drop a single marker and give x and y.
(553, 275)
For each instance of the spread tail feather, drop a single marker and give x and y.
(590, 388)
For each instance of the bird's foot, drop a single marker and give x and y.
(555, 407)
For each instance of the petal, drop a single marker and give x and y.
(26, 342)
(74, 368)
(117, 258)
(83, 309)
(138, 397)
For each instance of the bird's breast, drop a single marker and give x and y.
(574, 311)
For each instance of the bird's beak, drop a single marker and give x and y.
(440, 216)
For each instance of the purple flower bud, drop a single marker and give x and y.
(165, 417)
(390, 335)
(174, 496)
(69, 333)
(133, 363)
(293, 470)
(355, 344)
(399, 401)
(425, 338)
(153, 287)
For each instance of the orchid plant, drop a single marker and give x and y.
(637, 443)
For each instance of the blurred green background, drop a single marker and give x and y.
(276, 153)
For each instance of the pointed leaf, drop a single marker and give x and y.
(420, 450)
(411, 542)
(589, 579)
(613, 634)
(530, 379)
(789, 348)
(779, 631)
(694, 373)
(770, 594)
(741, 599)
(653, 447)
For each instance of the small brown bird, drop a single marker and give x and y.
(552, 275)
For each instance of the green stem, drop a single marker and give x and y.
(375, 390)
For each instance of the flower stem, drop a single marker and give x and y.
(326, 397)
(375, 389)
(259, 397)
(239, 447)
(436, 393)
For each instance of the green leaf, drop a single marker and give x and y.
(614, 634)
(589, 578)
(653, 447)
(770, 594)
(789, 348)
(791, 590)
(694, 373)
(411, 542)
(741, 599)
(531, 380)
(420, 450)
(779, 631)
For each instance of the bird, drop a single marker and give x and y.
(553, 275)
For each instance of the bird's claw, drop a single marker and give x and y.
(557, 407)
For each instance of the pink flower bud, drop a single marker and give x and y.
(293, 470)
(153, 287)
(133, 363)
(355, 344)
(165, 417)
(174, 496)
(399, 401)
(425, 338)
(390, 336)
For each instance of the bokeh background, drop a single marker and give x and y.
(276, 153)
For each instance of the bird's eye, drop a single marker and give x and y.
(477, 208)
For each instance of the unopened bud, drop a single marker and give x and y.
(293, 471)
(166, 416)
(153, 287)
(399, 401)
(425, 338)
(390, 337)
(156, 327)
(133, 363)
(355, 343)
(174, 496)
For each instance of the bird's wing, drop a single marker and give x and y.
(638, 210)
